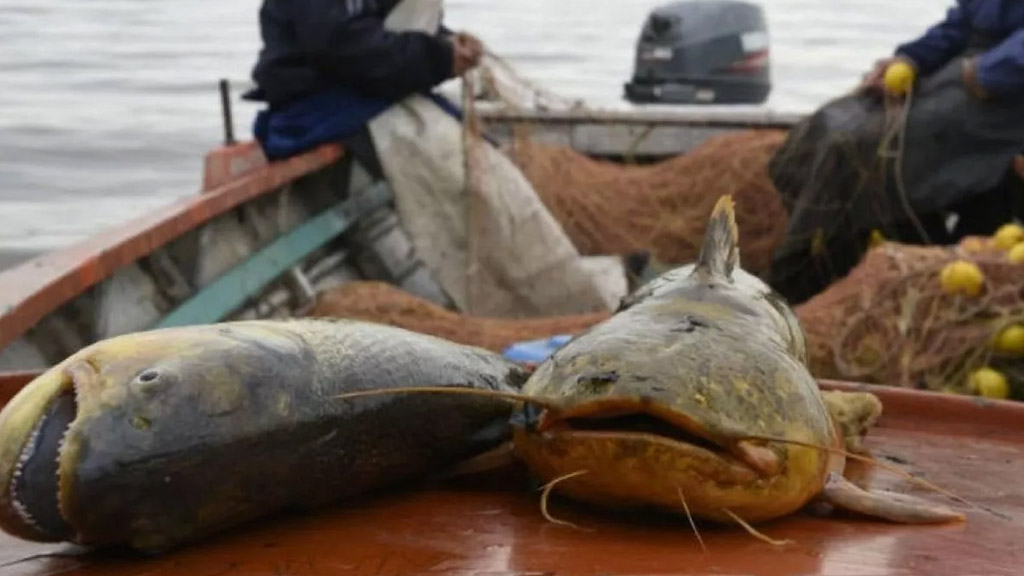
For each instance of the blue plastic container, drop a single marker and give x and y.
(535, 351)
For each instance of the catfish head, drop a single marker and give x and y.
(669, 402)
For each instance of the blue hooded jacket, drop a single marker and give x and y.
(1000, 67)
(327, 67)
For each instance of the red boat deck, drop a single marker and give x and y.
(494, 528)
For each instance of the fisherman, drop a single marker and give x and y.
(327, 67)
(930, 166)
(362, 73)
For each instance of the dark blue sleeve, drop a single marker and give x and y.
(352, 45)
(938, 44)
(1001, 69)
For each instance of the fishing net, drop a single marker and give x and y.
(890, 322)
(612, 208)
(472, 217)
(863, 162)
(386, 304)
(662, 208)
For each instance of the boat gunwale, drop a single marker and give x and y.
(753, 118)
(37, 287)
(31, 290)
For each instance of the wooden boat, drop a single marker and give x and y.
(261, 239)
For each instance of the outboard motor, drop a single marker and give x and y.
(703, 52)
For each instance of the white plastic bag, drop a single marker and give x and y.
(512, 258)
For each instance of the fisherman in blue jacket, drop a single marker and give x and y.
(994, 27)
(327, 67)
(929, 167)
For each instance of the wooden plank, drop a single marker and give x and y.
(640, 140)
(627, 133)
(34, 289)
(230, 291)
(683, 116)
(489, 523)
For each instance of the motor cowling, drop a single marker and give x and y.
(702, 52)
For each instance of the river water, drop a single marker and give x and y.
(107, 107)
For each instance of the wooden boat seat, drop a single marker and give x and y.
(230, 162)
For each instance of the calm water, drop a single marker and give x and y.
(107, 106)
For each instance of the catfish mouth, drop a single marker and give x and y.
(644, 424)
(35, 483)
(644, 420)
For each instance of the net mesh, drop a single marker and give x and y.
(611, 208)
(896, 165)
(387, 304)
(891, 322)
(888, 321)
(662, 208)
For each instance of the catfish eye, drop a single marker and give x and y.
(149, 376)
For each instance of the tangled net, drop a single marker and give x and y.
(890, 322)
(610, 208)
(387, 304)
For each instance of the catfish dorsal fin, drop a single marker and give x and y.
(720, 253)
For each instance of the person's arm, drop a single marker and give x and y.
(1000, 70)
(939, 44)
(357, 50)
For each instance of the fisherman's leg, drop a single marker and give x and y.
(360, 147)
(909, 231)
(1017, 190)
(982, 214)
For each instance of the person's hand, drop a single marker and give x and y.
(970, 78)
(467, 51)
(873, 81)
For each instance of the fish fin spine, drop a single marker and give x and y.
(720, 252)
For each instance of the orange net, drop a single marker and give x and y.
(890, 321)
(610, 208)
(388, 304)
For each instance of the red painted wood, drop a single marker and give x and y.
(493, 526)
(11, 382)
(228, 163)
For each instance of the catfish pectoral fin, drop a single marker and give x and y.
(892, 506)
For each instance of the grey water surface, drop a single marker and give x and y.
(108, 106)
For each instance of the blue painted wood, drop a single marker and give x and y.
(228, 292)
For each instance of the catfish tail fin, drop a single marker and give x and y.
(720, 253)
